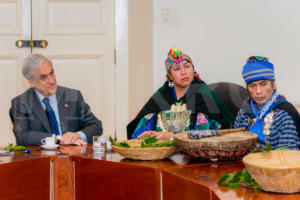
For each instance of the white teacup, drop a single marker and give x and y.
(48, 141)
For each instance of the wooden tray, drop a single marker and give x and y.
(275, 171)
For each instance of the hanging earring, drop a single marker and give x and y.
(171, 83)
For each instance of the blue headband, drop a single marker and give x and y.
(259, 70)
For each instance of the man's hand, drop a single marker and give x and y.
(80, 142)
(69, 138)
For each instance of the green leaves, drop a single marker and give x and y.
(154, 142)
(237, 179)
(246, 175)
(225, 179)
(112, 141)
(146, 143)
(123, 144)
(150, 140)
(105, 149)
(281, 148)
(256, 150)
(268, 147)
(15, 148)
(238, 176)
(234, 185)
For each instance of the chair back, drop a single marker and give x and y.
(232, 95)
(11, 116)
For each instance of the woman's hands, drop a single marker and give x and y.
(147, 134)
(165, 135)
(158, 135)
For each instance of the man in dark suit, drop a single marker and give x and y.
(47, 109)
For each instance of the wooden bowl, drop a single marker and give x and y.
(152, 153)
(227, 146)
(275, 171)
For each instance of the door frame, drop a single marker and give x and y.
(121, 69)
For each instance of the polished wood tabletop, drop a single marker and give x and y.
(194, 182)
(111, 176)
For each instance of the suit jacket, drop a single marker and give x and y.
(30, 122)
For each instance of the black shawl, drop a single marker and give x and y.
(199, 99)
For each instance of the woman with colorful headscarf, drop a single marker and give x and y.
(183, 103)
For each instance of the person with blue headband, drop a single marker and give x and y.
(267, 113)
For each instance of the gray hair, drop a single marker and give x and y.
(32, 62)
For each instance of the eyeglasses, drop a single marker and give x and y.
(257, 58)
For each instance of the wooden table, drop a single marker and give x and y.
(200, 182)
(112, 177)
(24, 177)
(98, 176)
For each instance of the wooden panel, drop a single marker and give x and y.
(63, 178)
(81, 39)
(29, 179)
(215, 197)
(175, 187)
(63, 16)
(96, 179)
(92, 79)
(10, 17)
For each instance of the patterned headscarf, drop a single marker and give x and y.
(175, 56)
(258, 68)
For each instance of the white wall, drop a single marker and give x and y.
(220, 35)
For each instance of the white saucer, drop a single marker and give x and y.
(50, 147)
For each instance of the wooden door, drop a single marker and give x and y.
(14, 25)
(80, 35)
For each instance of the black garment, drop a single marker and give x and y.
(199, 99)
(291, 110)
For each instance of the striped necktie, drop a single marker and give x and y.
(51, 117)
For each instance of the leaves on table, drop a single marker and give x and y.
(237, 179)
(234, 185)
(11, 147)
(268, 147)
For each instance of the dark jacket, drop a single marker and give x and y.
(30, 122)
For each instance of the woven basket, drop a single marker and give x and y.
(151, 153)
(227, 146)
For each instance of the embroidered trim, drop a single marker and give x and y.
(268, 120)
